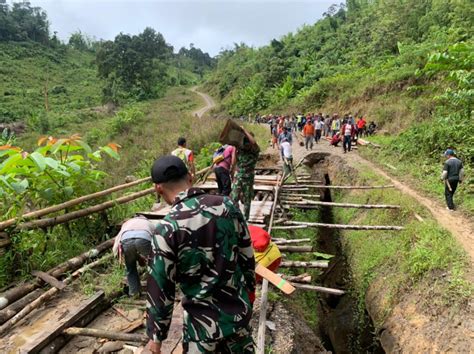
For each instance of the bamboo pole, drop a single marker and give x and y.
(303, 264)
(264, 296)
(72, 264)
(339, 226)
(262, 320)
(353, 187)
(48, 295)
(70, 203)
(320, 289)
(347, 205)
(100, 333)
(83, 212)
(282, 241)
(289, 194)
(295, 249)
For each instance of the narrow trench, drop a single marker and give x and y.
(343, 329)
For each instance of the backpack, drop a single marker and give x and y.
(181, 153)
(219, 155)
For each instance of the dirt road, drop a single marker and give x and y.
(207, 99)
(460, 226)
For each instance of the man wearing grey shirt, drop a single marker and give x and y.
(453, 173)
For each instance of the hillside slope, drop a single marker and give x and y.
(28, 68)
(407, 65)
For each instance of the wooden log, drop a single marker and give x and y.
(320, 289)
(348, 205)
(70, 203)
(305, 181)
(302, 264)
(72, 264)
(60, 219)
(14, 308)
(55, 329)
(302, 278)
(299, 206)
(48, 295)
(418, 217)
(295, 249)
(287, 187)
(49, 279)
(262, 320)
(282, 241)
(294, 227)
(344, 227)
(100, 333)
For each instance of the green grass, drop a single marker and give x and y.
(420, 173)
(403, 259)
(27, 68)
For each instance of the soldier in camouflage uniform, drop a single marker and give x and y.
(247, 157)
(203, 244)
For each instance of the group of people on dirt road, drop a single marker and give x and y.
(203, 245)
(313, 127)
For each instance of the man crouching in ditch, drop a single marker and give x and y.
(203, 244)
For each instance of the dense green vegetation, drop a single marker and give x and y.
(407, 65)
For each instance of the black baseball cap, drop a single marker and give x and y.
(167, 169)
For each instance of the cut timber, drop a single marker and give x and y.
(70, 203)
(15, 307)
(320, 289)
(99, 333)
(56, 329)
(83, 212)
(48, 295)
(302, 264)
(295, 249)
(344, 227)
(348, 205)
(282, 241)
(72, 264)
(274, 278)
(49, 279)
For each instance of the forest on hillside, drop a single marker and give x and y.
(402, 63)
(84, 71)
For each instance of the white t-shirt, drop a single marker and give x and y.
(286, 148)
(348, 130)
(319, 125)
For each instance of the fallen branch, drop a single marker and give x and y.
(99, 333)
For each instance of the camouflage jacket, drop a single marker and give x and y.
(204, 245)
(246, 161)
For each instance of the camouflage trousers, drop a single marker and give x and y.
(239, 342)
(243, 190)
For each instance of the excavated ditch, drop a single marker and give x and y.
(343, 327)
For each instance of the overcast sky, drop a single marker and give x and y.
(210, 25)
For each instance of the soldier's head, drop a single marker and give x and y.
(170, 176)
